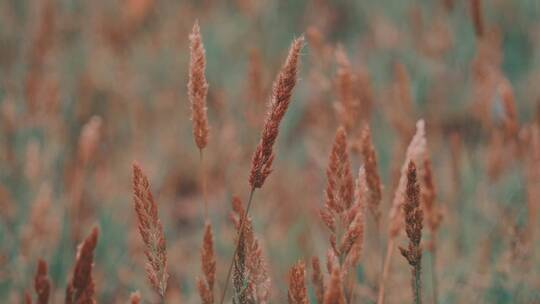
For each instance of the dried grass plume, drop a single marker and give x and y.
(334, 292)
(81, 288)
(198, 87)
(413, 219)
(208, 265)
(372, 175)
(416, 153)
(297, 284)
(151, 231)
(42, 283)
(284, 84)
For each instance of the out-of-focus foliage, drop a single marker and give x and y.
(88, 87)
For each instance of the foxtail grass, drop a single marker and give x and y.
(81, 287)
(413, 225)
(415, 152)
(261, 165)
(42, 283)
(297, 284)
(151, 232)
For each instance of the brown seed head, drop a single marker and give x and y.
(206, 295)
(81, 287)
(207, 256)
(208, 266)
(198, 87)
(297, 284)
(354, 235)
(413, 218)
(340, 185)
(372, 175)
(261, 165)
(240, 275)
(416, 153)
(151, 231)
(42, 283)
(251, 281)
(317, 280)
(334, 293)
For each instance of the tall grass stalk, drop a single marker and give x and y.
(242, 223)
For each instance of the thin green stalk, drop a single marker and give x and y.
(434, 273)
(386, 269)
(417, 284)
(242, 222)
(379, 243)
(203, 183)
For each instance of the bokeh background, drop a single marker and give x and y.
(88, 87)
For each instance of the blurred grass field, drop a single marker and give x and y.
(119, 70)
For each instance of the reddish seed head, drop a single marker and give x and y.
(198, 88)
(334, 293)
(372, 175)
(250, 277)
(208, 266)
(317, 279)
(151, 231)
(81, 287)
(42, 283)
(340, 185)
(416, 152)
(297, 284)
(261, 165)
(413, 218)
(413, 221)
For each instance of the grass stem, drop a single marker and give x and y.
(242, 222)
(202, 177)
(386, 270)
